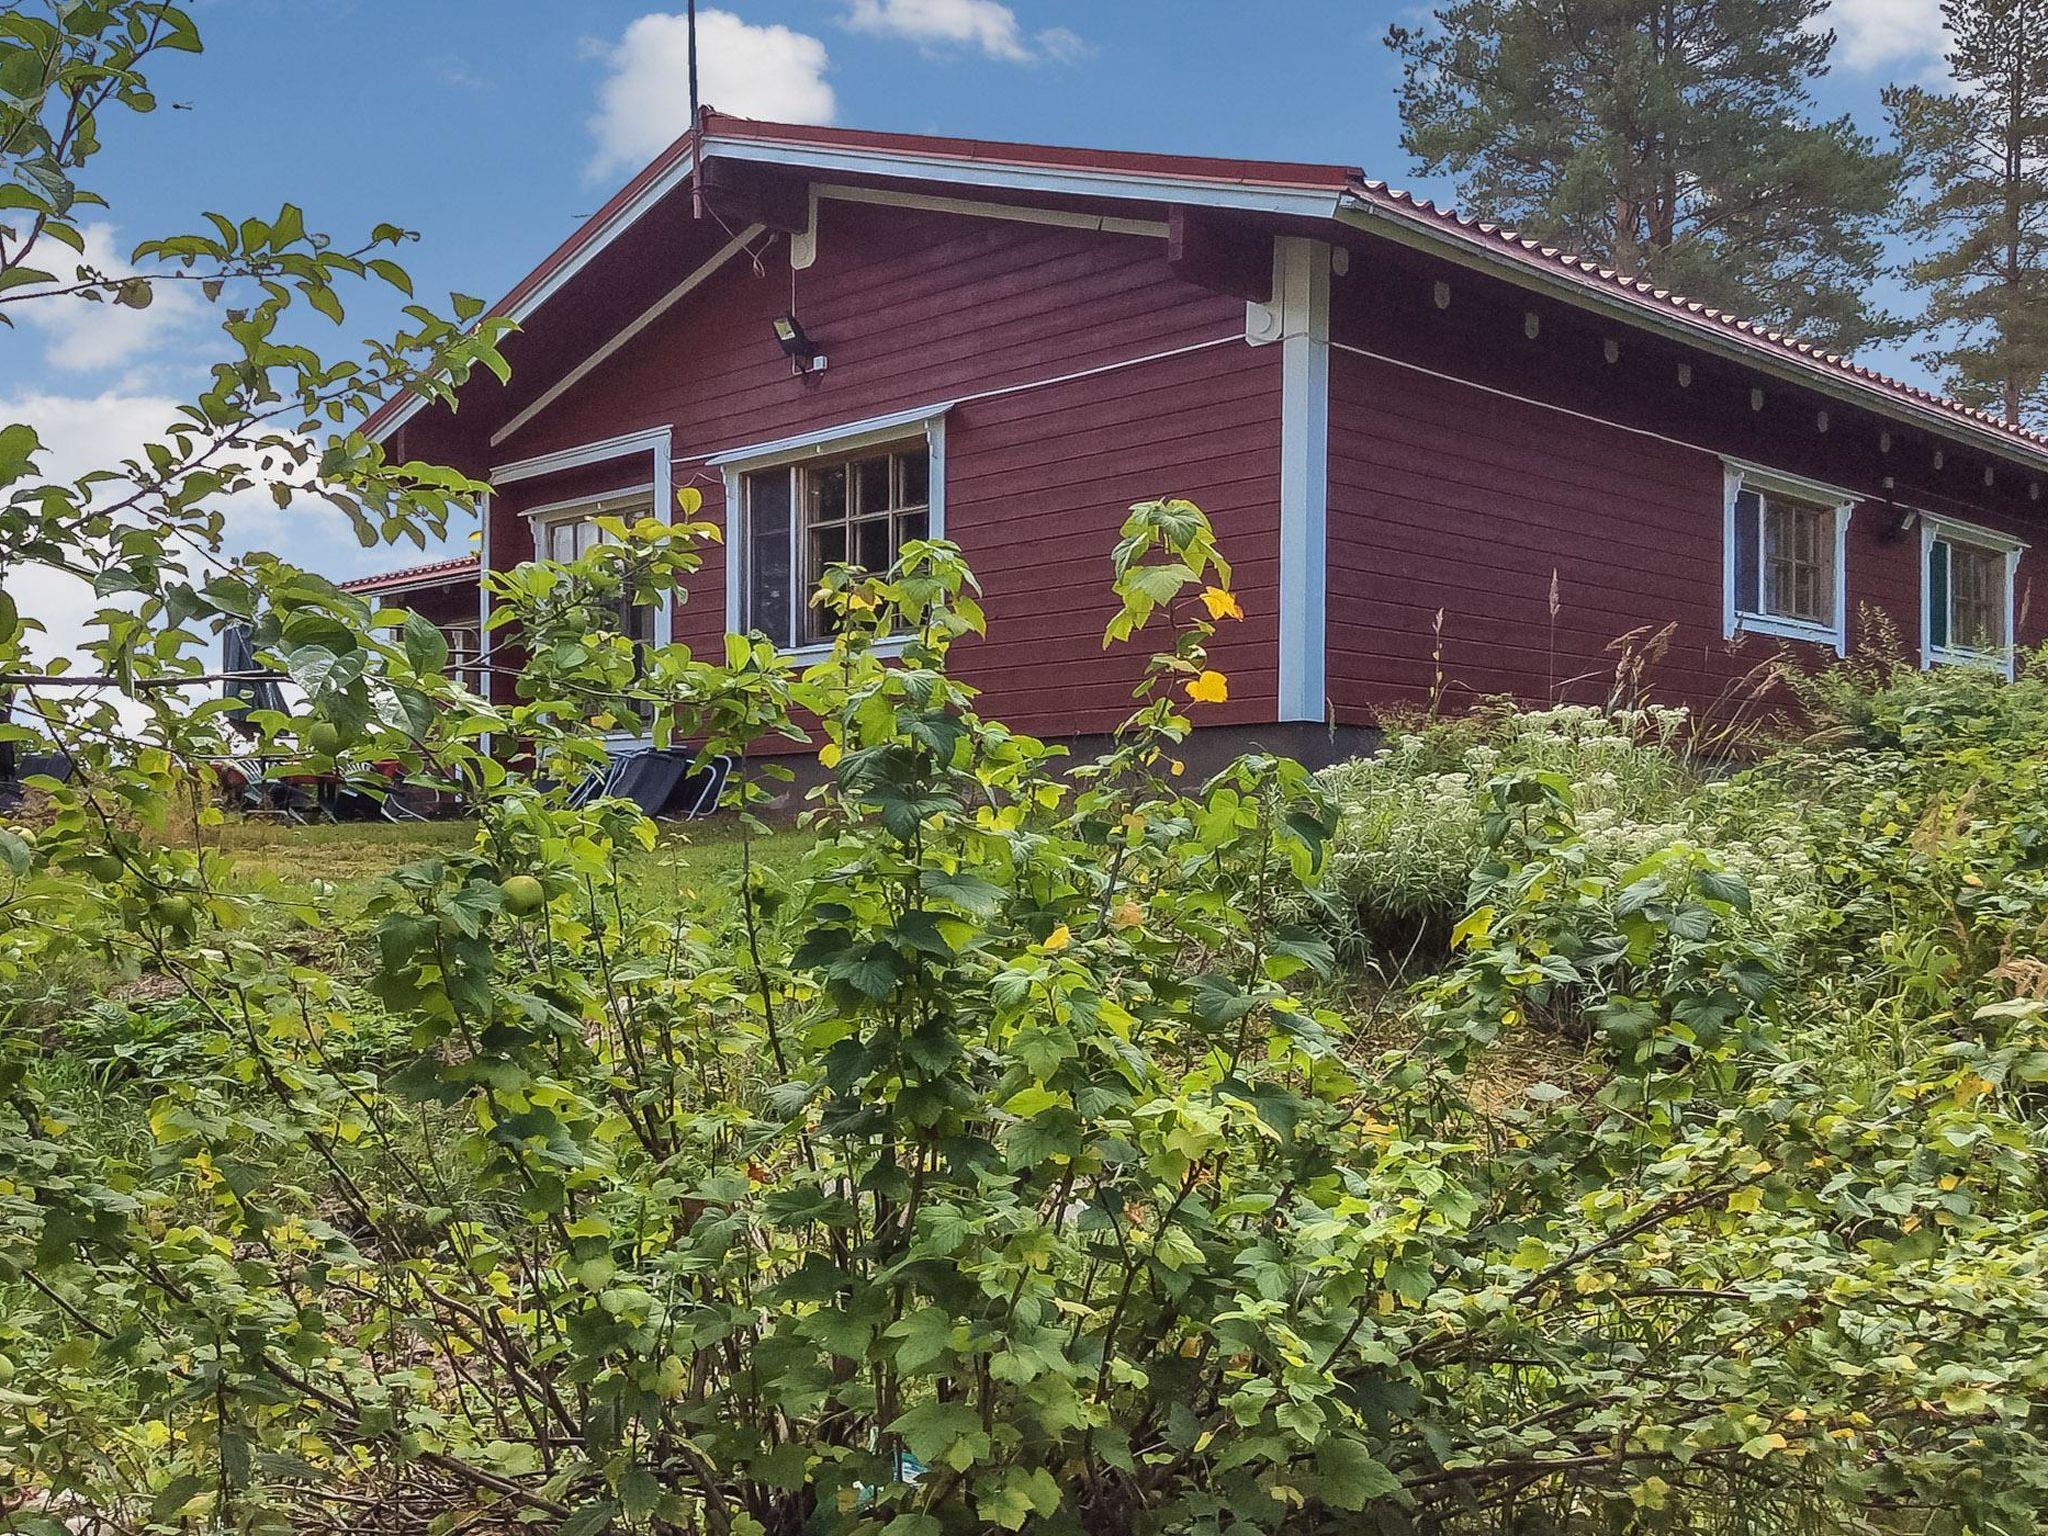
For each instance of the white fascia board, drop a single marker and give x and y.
(853, 435)
(621, 219)
(1379, 221)
(1307, 202)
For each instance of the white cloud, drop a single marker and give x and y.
(84, 335)
(983, 26)
(82, 433)
(644, 103)
(1063, 46)
(1886, 34)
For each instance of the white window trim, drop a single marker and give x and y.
(657, 443)
(596, 504)
(1736, 476)
(737, 464)
(660, 485)
(1934, 526)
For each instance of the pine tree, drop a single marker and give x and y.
(1980, 149)
(1672, 139)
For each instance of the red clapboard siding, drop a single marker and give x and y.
(1442, 498)
(1446, 498)
(915, 308)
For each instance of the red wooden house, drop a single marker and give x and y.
(1432, 449)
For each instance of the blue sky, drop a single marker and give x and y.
(491, 126)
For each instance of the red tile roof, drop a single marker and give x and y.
(1341, 183)
(462, 568)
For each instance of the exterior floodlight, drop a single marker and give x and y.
(790, 336)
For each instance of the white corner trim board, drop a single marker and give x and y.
(735, 464)
(1301, 285)
(483, 605)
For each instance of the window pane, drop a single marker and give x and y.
(1937, 595)
(637, 623)
(871, 545)
(768, 574)
(825, 494)
(1977, 607)
(1748, 510)
(914, 478)
(910, 526)
(1798, 561)
(828, 548)
(872, 491)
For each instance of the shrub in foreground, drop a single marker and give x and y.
(987, 1171)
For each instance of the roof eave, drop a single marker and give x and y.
(1360, 213)
(661, 177)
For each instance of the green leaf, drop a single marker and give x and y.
(425, 646)
(1351, 1477)
(931, 1430)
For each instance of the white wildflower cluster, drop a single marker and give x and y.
(1409, 833)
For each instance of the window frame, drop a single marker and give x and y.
(630, 503)
(900, 430)
(464, 639)
(1934, 529)
(1738, 477)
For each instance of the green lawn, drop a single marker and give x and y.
(287, 859)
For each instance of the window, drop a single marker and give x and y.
(851, 497)
(465, 655)
(1786, 542)
(1967, 585)
(567, 531)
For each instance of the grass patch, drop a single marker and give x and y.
(290, 859)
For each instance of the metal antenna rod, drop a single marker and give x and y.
(693, 63)
(696, 125)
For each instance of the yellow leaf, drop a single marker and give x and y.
(1060, 938)
(1210, 688)
(1176, 768)
(691, 500)
(828, 755)
(1221, 604)
(1128, 914)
